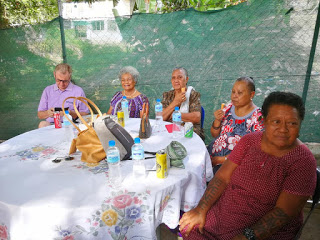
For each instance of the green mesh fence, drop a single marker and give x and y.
(267, 40)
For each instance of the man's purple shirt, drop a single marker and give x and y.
(52, 97)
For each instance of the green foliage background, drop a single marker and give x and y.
(257, 39)
(22, 12)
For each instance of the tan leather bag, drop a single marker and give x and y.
(87, 141)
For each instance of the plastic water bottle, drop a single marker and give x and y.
(137, 151)
(69, 133)
(125, 108)
(113, 159)
(176, 119)
(158, 111)
(66, 122)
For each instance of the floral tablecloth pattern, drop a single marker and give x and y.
(118, 214)
(4, 235)
(72, 200)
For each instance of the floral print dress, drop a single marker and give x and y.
(233, 128)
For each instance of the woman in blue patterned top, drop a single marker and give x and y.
(235, 120)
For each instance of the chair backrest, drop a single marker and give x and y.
(316, 195)
(315, 201)
(202, 116)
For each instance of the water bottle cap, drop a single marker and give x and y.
(124, 97)
(137, 140)
(158, 100)
(176, 108)
(112, 143)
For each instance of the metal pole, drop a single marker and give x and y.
(311, 56)
(63, 41)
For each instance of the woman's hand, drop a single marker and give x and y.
(179, 98)
(217, 160)
(216, 125)
(218, 115)
(191, 219)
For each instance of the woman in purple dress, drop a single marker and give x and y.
(128, 77)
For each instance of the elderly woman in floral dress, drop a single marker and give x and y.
(235, 120)
(129, 78)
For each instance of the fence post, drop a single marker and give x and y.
(63, 41)
(311, 56)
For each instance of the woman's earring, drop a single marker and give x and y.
(251, 99)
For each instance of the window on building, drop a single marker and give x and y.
(81, 31)
(98, 25)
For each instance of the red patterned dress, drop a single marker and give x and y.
(255, 187)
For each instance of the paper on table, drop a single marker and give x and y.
(169, 128)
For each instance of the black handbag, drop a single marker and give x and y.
(107, 130)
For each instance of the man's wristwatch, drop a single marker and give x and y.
(249, 234)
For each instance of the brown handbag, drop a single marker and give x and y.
(145, 130)
(87, 141)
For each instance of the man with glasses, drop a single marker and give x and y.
(53, 96)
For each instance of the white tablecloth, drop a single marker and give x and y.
(69, 200)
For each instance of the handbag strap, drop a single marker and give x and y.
(85, 101)
(64, 113)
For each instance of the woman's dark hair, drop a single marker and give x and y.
(249, 81)
(283, 98)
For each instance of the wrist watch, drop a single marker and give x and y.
(249, 234)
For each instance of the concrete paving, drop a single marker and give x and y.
(311, 230)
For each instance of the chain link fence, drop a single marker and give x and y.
(267, 40)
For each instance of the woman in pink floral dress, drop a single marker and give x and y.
(235, 120)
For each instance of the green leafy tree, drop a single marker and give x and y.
(200, 5)
(21, 12)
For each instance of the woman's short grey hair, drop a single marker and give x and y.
(132, 71)
(185, 72)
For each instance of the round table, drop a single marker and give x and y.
(40, 199)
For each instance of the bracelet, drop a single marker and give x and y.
(216, 128)
(249, 234)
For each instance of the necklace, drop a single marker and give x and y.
(131, 94)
